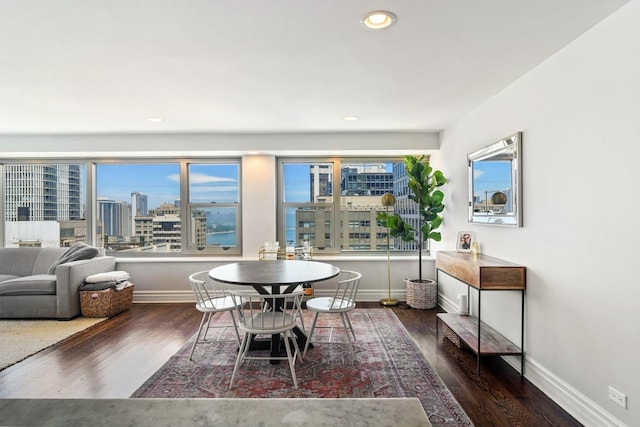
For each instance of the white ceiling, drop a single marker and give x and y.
(266, 66)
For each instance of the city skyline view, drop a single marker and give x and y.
(161, 183)
(140, 205)
(207, 182)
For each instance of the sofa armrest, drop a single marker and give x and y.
(70, 276)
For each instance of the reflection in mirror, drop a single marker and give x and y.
(495, 192)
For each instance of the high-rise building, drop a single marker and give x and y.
(361, 188)
(167, 226)
(199, 228)
(115, 217)
(367, 179)
(38, 198)
(108, 214)
(143, 231)
(321, 183)
(125, 226)
(359, 227)
(405, 207)
(139, 204)
(161, 230)
(139, 207)
(42, 192)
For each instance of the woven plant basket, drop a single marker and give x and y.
(421, 295)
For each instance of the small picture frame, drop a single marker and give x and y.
(465, 241)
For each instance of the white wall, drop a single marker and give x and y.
(258, 202)
(579, 113)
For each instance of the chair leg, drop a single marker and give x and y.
(195, 342)
(345, 320)
(235, 326)
(290, 357)
(207, 324)
(350, 327)
(304, 330)
(313, 326)
(244, 346)
(298, 353)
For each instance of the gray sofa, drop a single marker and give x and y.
(34, 284)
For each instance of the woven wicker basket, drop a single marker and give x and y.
(421, 295)
(450, 335)
(105, 303)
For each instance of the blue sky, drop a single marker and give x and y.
(208, 182)
(491, 176)
(297, 182)
(161, 182)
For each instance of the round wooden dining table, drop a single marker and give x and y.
(268, 277)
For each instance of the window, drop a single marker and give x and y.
(44, 204)
(333, 204)
(174, 207)
(307, 200)
(213, 207)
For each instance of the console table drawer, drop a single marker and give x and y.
(481, 271)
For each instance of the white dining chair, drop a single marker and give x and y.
(268, 315)
(341, 302)
(211, 298)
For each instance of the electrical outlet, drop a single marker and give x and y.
(618, 397)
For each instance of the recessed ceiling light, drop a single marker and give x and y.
(378, 20)
(351, 118)
(154, 119)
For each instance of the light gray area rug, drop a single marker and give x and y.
(213, 412)
(20, 339)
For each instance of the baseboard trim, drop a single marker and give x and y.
(447, 304)
(567, 397)
(583, 409)
(150, 297)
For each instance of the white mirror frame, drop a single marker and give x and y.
(481, 211)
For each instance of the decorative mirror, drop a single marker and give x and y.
(495, 192)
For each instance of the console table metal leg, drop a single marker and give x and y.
(522, 339)
(479, 333)
(437, 282)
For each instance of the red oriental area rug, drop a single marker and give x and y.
(387, 364)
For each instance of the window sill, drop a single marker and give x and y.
(320, 258)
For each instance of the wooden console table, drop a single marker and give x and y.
(483, 273)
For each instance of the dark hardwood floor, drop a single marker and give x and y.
(112, 359)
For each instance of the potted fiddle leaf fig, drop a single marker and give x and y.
(423, 184)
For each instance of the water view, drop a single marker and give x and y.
(225, 238)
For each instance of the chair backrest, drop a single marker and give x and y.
(268, 313)
(346, 289)
(205, 289)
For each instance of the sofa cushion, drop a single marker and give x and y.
(74, 253)
(46, 256)
(27, 261)
(39, 284)
(4, 277)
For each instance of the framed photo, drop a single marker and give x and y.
(465, 241)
